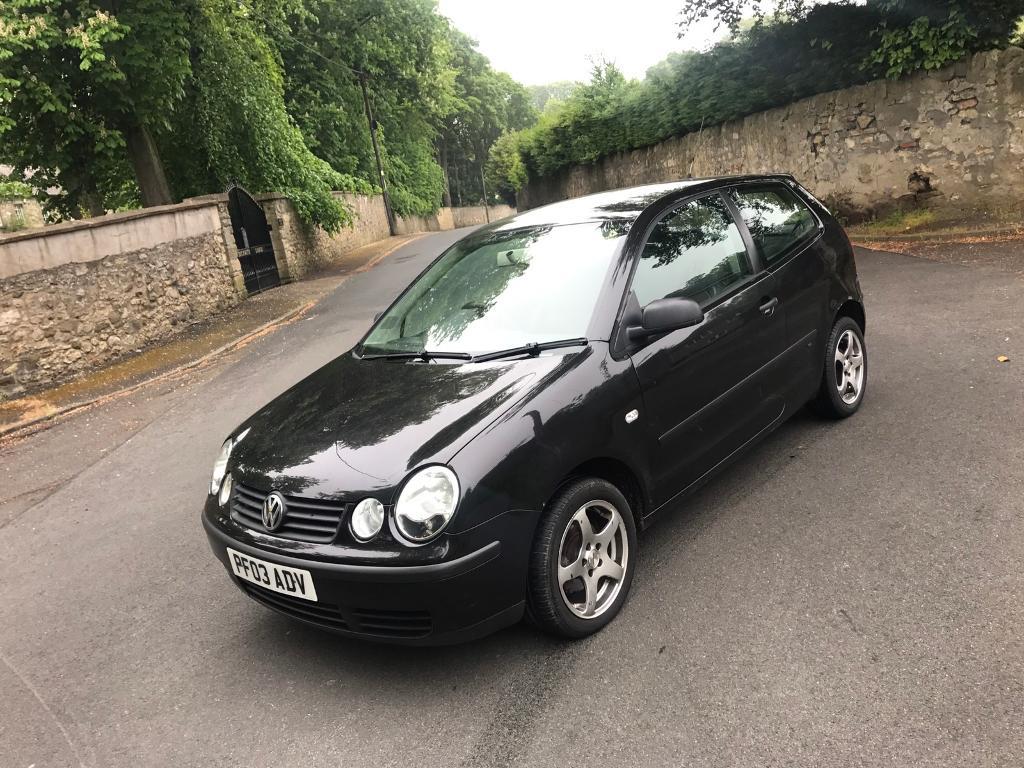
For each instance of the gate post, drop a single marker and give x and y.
(230, 251)
(273, 206)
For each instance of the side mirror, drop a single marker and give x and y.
(378, 316)
(664, 315)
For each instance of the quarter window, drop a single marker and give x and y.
(695, 252)
(776, 218)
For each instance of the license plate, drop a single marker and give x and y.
(288, 581)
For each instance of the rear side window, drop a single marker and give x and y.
(777, 219)
(694, 252)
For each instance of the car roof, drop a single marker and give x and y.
(622, 206)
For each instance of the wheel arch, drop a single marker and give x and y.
(854, 310)
(619, 474)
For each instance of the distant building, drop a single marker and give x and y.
(18, 212)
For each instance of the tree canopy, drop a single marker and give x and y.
(145, 102)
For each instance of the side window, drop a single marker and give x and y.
(695, 251)
(777, 219)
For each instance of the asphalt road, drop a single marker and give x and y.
(849, 594)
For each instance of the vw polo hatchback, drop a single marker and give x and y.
(537, 396)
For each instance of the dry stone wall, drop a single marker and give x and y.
(952, 138)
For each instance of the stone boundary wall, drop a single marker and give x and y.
(473, 215)
(58, 322)
(116, 234)
(953, 139)
(80, 294)
(309, 250)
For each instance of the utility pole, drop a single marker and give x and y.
(376, 153)
(483, 184)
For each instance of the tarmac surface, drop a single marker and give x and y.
(847, 594)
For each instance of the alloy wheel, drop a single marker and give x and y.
(593, 556)
(849, 362)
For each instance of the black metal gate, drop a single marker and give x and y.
(252, 238)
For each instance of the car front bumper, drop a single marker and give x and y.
(477, 589)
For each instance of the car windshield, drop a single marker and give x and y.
(500, 289)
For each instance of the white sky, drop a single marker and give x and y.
(541, 41)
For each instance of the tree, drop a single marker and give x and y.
(506, 173)
(233, 125)
(402, 46)
(82, 86)
(486, 105)
(94, 92)
(120, 102)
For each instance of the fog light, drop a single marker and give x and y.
(367, 519)
(225, 491)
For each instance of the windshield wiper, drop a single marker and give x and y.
(424, 355)
(530, 349)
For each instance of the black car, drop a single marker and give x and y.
(532, 400)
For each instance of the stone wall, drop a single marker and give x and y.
(56, 323)
(306, 251)
(953, 138)
(473, 215)
(78, 295)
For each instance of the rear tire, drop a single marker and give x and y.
(844, 377)
(583, 559)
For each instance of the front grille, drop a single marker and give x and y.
(305, 519)
(362, 621)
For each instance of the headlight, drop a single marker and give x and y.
(427, 503)
(367, 519)
(225, 491)
(220, 466)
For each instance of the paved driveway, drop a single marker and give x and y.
(850, 594)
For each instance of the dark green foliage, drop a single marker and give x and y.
(765, 67)
(911, 34)
(915, 34)
(237, 127)
(73, 78)
(262, 93)
(402, 46)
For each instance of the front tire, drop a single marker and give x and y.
(583, 559)
(845, 376)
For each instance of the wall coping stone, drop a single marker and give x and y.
(103, 221)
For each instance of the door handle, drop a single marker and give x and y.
(768, 306)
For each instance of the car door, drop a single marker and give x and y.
(787, 236)
(706, 389)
